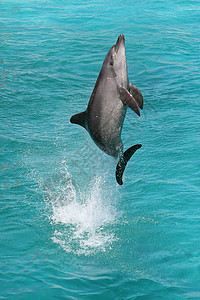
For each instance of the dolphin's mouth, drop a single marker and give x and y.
(120, 40)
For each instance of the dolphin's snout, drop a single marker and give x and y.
(120, 40)
(121, 36)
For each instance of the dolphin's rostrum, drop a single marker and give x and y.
(106, 110)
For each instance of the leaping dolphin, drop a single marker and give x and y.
(104, 116)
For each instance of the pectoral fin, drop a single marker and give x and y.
(128, 100)
(137, 95)
(79, 119)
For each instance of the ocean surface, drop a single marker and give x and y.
(67, 230)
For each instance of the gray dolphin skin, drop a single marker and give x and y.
(104, 116)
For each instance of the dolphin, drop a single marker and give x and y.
(104, 116)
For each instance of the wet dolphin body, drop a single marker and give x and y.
(105, 114)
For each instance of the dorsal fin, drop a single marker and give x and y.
(79, 119)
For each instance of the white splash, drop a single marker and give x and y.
(82, 220)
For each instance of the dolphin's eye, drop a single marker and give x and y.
(111, 61)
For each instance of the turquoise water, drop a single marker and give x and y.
(68, 231)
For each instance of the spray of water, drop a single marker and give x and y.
(82, 220)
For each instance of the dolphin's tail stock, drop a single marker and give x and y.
(123, 162)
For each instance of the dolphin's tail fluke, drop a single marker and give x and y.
(123, 162)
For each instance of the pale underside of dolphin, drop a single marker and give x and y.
(104, 116)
